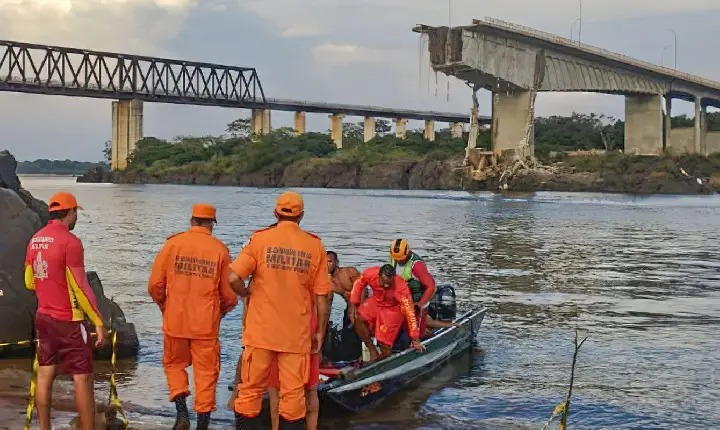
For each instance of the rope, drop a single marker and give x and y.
(114, 400)
(559, 410)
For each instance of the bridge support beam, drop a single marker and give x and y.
(369, 129)
(429, 130)
(510, 111)
(261, 121)
(401, 128)
(457, 130)
(127, 129)
(643, 125)
(299, 123)
(336, 130)
(668, 123)
(700, 126)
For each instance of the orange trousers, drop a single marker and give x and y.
(204, 356)
(293, 372)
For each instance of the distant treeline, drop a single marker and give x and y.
(56, 167)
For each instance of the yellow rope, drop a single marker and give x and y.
(31, 401)
(114, 400)
(559, 410)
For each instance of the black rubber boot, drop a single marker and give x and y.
(203, 421)
(244, 423)
(182, 422)
(292, 425)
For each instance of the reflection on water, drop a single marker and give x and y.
(639, 274)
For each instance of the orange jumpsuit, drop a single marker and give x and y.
(386, 309)
(190, 283)
(288, 268)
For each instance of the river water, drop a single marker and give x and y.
(639, 276)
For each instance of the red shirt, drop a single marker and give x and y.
(55, 269)
(420, 272)
(396, 296)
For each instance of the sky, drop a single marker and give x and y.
(344, 51)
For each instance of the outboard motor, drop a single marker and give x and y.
(444, 306)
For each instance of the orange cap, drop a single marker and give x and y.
(62, 201)
(289, 204)
(204, 211)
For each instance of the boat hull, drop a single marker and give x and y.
(370, 386)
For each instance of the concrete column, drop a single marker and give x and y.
(457, 130)
(401, 128)
(429, 130)
(703, 131)
(299, 123)
(260, 119)
(643, 125)
(336, 130)
(668, 122)
(509, 115)
(369, 129)
(127, 129)
(698, 125)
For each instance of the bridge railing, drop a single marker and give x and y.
(32, 68)
(539, 34)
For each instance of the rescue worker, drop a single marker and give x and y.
(413, 270)
(190, 284)
(383, 311)
(55, 270)
(289, 271)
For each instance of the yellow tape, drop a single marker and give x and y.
(31, 401)
(114, 400)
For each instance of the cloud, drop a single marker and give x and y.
(343, 55)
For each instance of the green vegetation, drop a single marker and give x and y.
(56, 167)
(238, 151)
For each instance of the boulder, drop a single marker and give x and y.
(21, 215)
(96, 175)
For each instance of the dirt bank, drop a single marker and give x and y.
(613, 173)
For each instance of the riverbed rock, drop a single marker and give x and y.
(96, 175)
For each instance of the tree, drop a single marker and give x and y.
(239, 128)
(382, 126)
(107, 151)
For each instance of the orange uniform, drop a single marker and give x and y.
(190, 283)
(288, 268)
(384, 310)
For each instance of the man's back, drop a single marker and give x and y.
(55, 269)
(190, 278)
(287, 265)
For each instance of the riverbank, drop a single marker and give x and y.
(612, 173)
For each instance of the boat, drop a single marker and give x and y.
(355, 389)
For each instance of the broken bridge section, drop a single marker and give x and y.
(513, 61)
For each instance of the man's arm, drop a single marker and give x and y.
(29, 274)
(228, 298)
(241, 269)
(358, 291)
(403, 296)
(322, 288)
(157, 284)
(77, 281)
(420, 272)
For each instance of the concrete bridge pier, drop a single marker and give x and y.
(457, 130)
(299, 123)
(260, 119)
(509, 116)
(667, 143)
(643, 124)
(429, 130)
(336, 130)
(369, 129)
(127, 129)
(401, 128)
(700, 126)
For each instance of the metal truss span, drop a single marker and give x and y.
(41, 69)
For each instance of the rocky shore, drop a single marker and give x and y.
(590, 173)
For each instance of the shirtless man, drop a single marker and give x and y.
(342, 283)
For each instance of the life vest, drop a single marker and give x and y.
(416, 287)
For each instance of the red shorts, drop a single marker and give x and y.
(387, 321)
(64, 343)
(313, 379)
